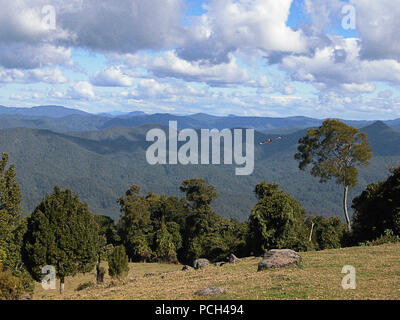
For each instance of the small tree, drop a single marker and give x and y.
(118, 264)
(134, 226)
(335, 150)
(202, 221)
(277, 221)
(61, 233)
(10, 212)
(328, 232)
(164, 243)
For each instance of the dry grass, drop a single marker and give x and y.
(318, 277)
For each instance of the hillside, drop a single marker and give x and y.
(101, 165)
(318, 277)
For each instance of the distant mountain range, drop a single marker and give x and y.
(105, 155)
(41, 111)
(61, 119)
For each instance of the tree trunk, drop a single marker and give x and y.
(346, 213)
(61, 285)
(99, 273)
(312, 228)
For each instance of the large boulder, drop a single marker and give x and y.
(211, 291)
(200, 263)
(279, 259)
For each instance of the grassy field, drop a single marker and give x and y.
(317, 277)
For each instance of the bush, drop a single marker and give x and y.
(84, 286)
(11, 287)
(387, 237)
(118, 265)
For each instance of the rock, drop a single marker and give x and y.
(200, 263)
(233, 259)
(211, 291)
(279, 258)
(186, 268)
(219, 264)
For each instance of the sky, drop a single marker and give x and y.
(314, 58)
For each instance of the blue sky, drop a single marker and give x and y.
(245, 57)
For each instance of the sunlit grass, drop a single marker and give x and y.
(318, 277)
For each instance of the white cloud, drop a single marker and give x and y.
(81, 90)
(10, 75)
(53, 76)
(224, 74)
(339, 67)
(229, 25)
(111, 76)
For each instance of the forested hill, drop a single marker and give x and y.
(100, 165)
(61, 119)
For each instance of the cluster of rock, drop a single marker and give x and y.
(277, 258)
(201, 263)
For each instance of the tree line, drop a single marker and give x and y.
(62, 232)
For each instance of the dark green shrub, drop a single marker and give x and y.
(118, 265)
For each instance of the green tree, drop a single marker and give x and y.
(335, 150)
(327, 232)
(107, 229)
(135, 226)
(107, 239)
(202, 222)
(61, 233)
(118, 264)
(11, 227)
(377, 209)
(164, 244)
(277, 221)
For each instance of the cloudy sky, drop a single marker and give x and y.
(318, 58)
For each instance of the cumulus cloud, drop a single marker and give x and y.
(153, 88)
(27, 56)
(377, 24)
(52, 76)
(350, 73)
(81, 90)
(27, 41)
(224, 74)
(10, 75)
(111, 76)
(25, 22)
(229, 25)
(123, 26)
